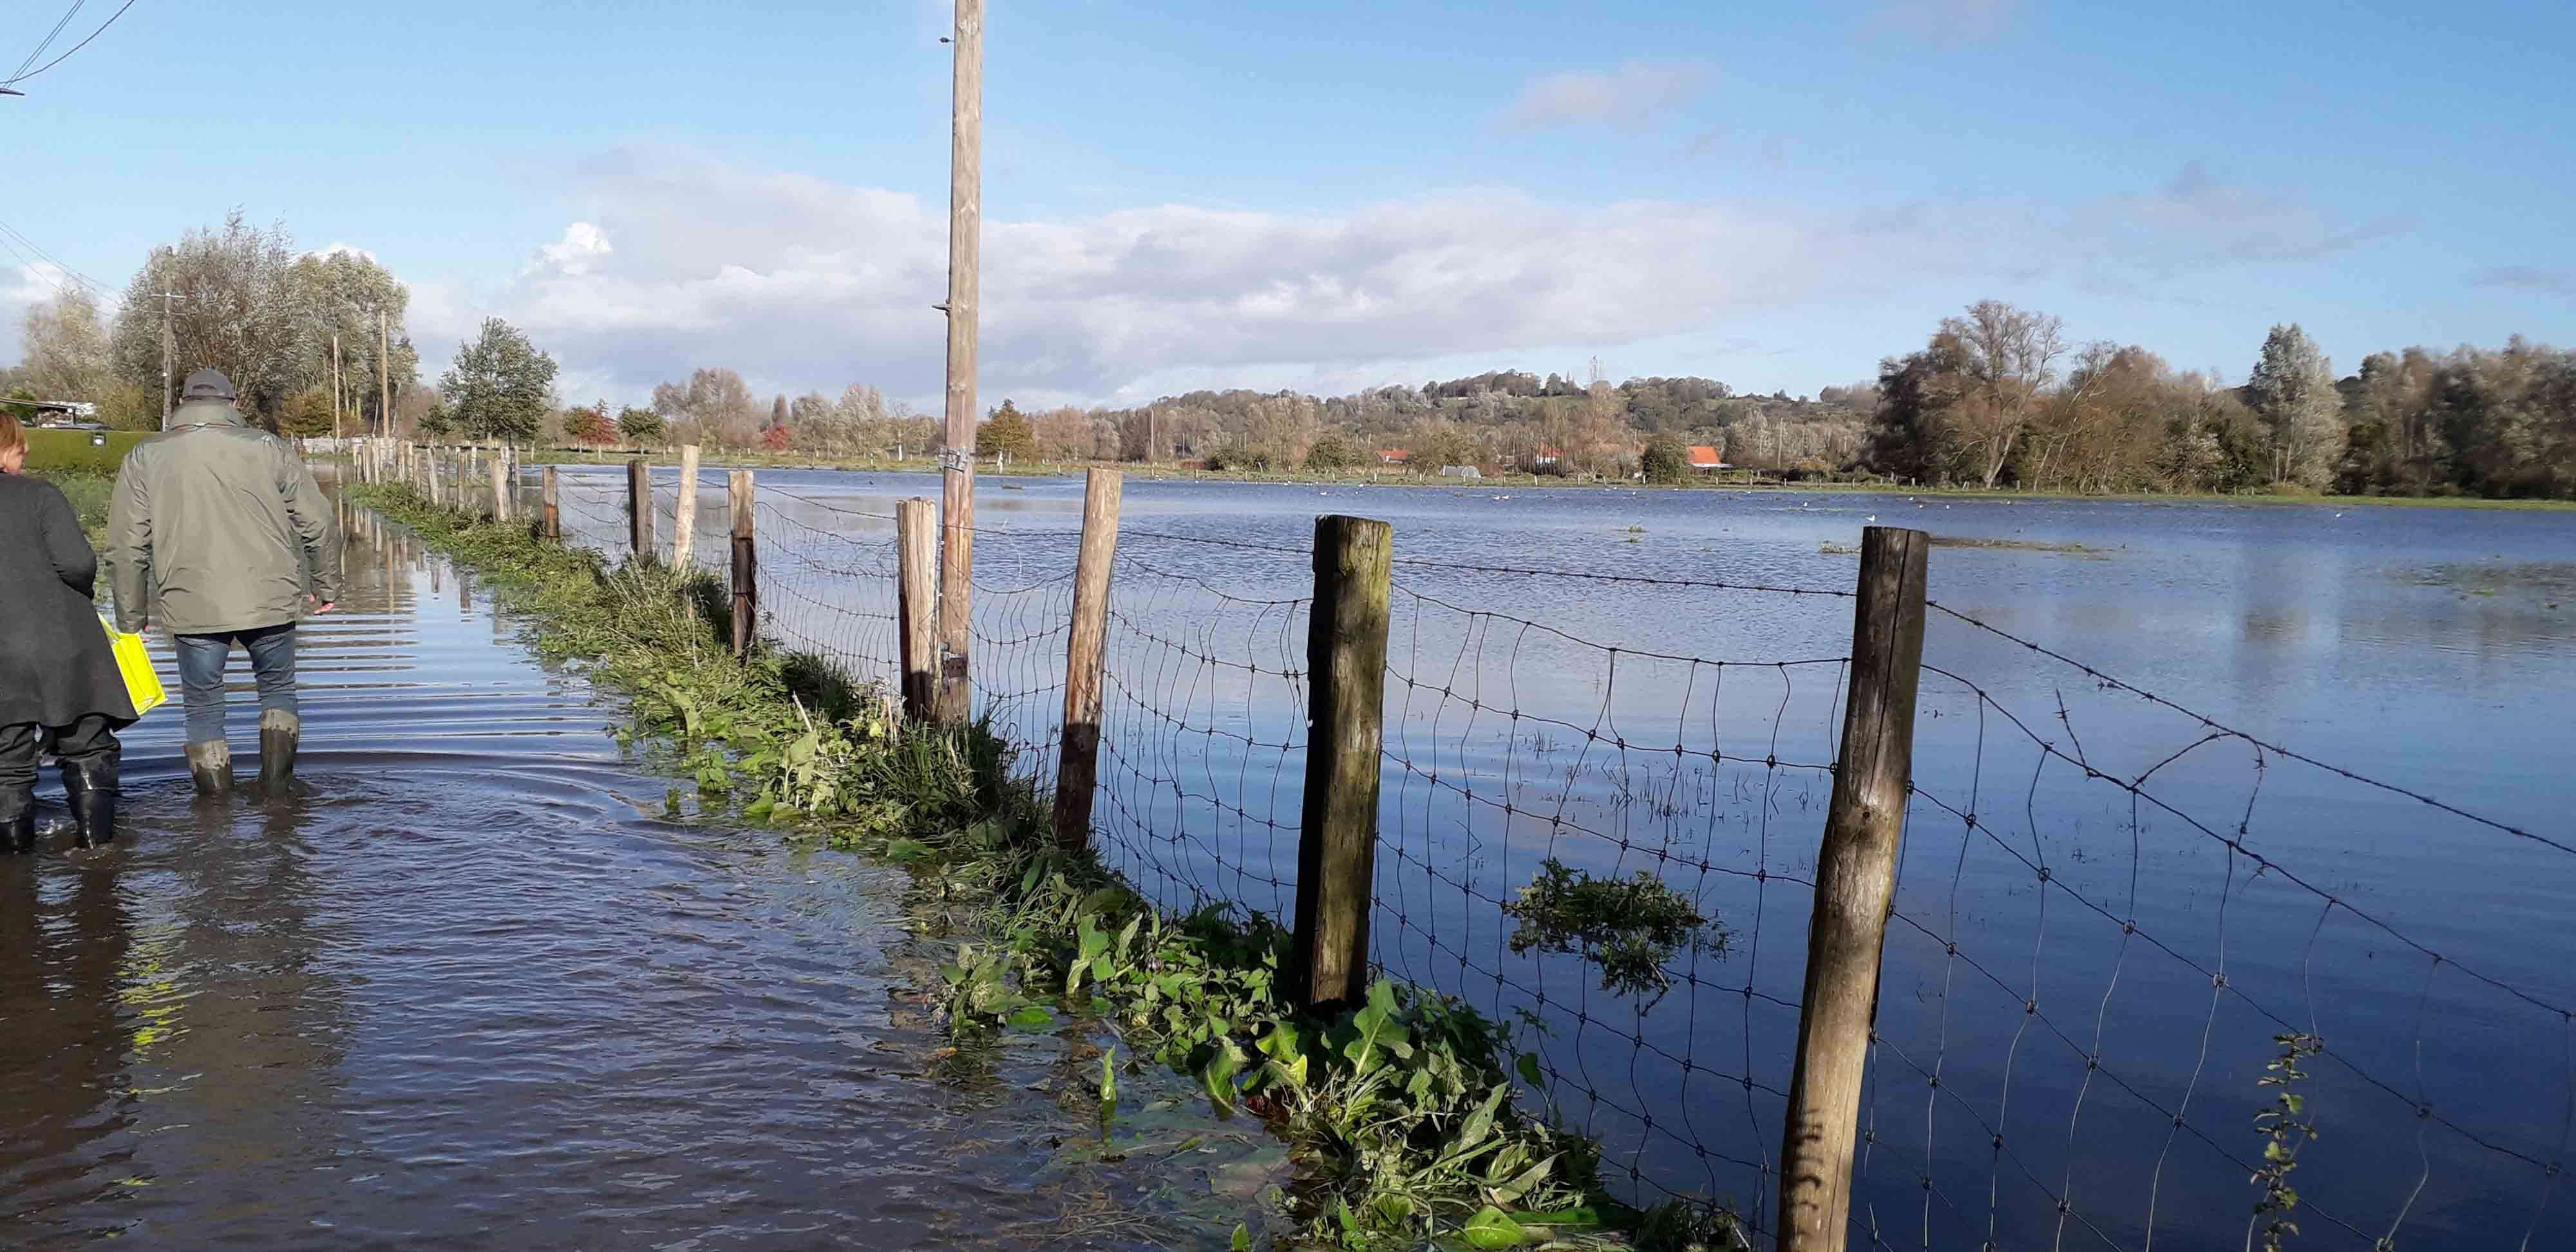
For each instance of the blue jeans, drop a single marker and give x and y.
(201, 674)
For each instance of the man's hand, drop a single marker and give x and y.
(320, 605)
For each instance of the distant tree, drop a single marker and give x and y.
(306, 414)
(777, 438)
(591, 425)
(1008, 433)
(439, 421)
(1333, 452)
(1665, 461)
(2293, 391)
(639, 425)
(65, 348)
(500, 385)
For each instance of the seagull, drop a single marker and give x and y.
(1872, 517)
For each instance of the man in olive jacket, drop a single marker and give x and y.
(218, 535)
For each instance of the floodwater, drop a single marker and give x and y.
(2082, 986)
(468, 987)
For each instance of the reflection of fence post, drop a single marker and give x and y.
(1346, 681)
(500, 489)
(639, 511)
(1079, 771)
(1855, 886)
(553, 507)
(916, 524)
(746, 563)
(684, 523)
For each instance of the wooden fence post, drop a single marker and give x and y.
(746, 563)
(500, 489)
(1078, 772)
(684, 524)
(916, 524)
(1855, 884)
(553, 507)
(639, 509)
(1346, 681)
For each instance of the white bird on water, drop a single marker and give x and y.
(1871, 518)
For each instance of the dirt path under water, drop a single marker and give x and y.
(467, 987)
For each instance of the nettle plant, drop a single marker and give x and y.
(1631, 929)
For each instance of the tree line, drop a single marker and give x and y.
(1997, 397)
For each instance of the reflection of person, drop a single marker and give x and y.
(219, 536)
(60, 690)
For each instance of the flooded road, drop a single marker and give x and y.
(467, 987)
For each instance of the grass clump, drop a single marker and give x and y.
(1628, 928)
(1404, 1113)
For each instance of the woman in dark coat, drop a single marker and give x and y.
(60, 691)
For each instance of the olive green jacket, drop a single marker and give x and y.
(218, 527)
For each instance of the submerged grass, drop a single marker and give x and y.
(1408, 1116)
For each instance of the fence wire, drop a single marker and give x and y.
(2110, 911)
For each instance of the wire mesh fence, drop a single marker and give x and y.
(2113, 916)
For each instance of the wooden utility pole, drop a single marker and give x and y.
(684, 523)
(916, 524)
(1855, 884)
(337, 430)
(553, 507)
(169, 345)
(385, 373)
(1078, 774)
(1346, 674)
(639, 508)
(746, 563)
(957, 463)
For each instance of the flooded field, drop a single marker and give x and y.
(467, 987)
(2308, 780)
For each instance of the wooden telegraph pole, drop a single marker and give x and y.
(336, 431)
(385, 373)
(957, 464)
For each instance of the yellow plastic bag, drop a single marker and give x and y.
(142, 682)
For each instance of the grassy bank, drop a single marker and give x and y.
(76, 452)
(1409, 1117)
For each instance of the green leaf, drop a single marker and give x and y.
(1242, 1239)
(1030, 1017)
(906, 851)
(1521, 1184)
(1493, 1228)
(1218, 1074)
(1481, 1122)
(1109, 1077)
(1528, 1066)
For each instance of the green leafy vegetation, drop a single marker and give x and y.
(1406, 1113)
(2286, 1128)
(65, 452)
(1628, 928)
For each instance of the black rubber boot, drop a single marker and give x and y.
(279, 732)
(211, 764)
(90, 785)
(17, 820)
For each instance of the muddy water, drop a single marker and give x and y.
(466, 986)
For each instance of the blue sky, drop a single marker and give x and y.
(1328, 195)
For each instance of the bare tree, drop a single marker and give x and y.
(65, 347)
(2009, 356)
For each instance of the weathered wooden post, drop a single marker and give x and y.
(639, 509)
(1078, 772)
(500, 489)
(1855, 885)
(684, 524)
(1346, 678)
(553, 505)
(916, 524)
(746, 563)
(957, 462)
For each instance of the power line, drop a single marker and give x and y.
(9, 232)
(24, 73)
(50, 37)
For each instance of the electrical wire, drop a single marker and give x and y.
(25, 73)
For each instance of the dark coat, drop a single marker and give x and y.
(55, 664)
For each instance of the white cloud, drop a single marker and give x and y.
(1634, 93)
(802, 283)
(342, 249)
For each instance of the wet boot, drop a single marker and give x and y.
(90, 785)
(279, 732)
(17, 820)
(211, 764)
